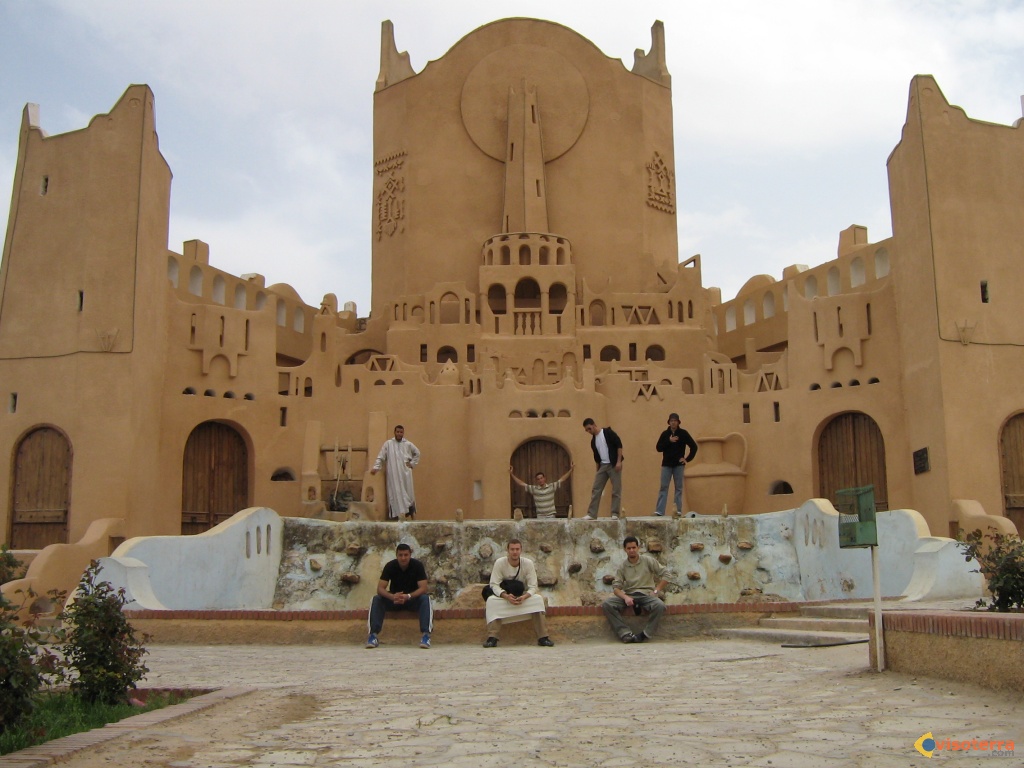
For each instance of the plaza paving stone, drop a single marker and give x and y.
(702, 702)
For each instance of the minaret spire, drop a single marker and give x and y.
(526, 208)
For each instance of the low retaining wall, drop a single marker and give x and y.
(966, 646)
(568, 624)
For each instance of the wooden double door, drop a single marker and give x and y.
(544, 456)
(1011, 458)
(214, 477)
(41, 492)
(851, 454)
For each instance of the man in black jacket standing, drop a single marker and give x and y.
(607, 448)
(677, 448)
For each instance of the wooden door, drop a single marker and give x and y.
(41, 496)
(851, 454)
(214, 478)
(1011, 457)
(544, 456)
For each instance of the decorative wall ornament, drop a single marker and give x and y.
(106, 339)
(965, 329)
(390, 194)
(661, 185)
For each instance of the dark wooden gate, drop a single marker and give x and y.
(1011, 456)
(41, 496)
(851, 454)
(544, 456)
(214, 478)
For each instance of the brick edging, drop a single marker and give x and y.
(989, 626)
(459, 613)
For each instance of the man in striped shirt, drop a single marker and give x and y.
(543, 492)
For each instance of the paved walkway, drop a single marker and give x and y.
(703, 702)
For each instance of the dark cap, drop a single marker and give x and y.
(673, 416)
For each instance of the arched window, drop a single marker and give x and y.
(768, 305)
(810, 287)
(496, 299)
(527, 294)
(655, 352)
(597, 313)
(450, 309)
(857, 272)
(219, 289)
(557, 298)
(610, 354)
(447, 355)
(833, 281)
(749, 316)
(881, 262)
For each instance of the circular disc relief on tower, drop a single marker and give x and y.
(562, 98)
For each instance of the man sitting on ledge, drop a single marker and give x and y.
(402, 587)
(635, 589)
(515, 595)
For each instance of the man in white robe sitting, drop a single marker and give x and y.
(515, 574)
(400, 456)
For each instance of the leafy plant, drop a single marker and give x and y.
(1001, 561)
(10, 567)
(101, 646)
(25, 666)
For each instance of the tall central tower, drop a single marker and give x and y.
(525, 206)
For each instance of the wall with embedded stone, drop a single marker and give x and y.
(325, 565)
(792, 555)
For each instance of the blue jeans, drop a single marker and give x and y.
(676, 475)
(421, 604)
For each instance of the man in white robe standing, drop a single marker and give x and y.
(400, 456)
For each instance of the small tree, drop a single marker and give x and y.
(101, 644)
(1001, 563)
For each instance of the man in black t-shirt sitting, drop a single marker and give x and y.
(402, 587)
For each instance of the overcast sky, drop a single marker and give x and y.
(785, 111)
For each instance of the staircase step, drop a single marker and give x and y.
(838, 610)
(807, 623)
(794, 637)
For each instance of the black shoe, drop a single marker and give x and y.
(629, 637)
(641, 638)
(546, 642)
(492, 642)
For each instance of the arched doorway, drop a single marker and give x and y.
(536, 456)
(1011, 459)
(851, 454)
(41, 493)
(214, 477)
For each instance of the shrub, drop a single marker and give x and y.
(101, 644)
(20, 679)
(10, 566)
(24, 666)
(1002, 564)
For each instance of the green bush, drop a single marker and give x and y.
(10, 566)
(25, 666)
(1002, 564)
(20, 679)
(101, 646)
